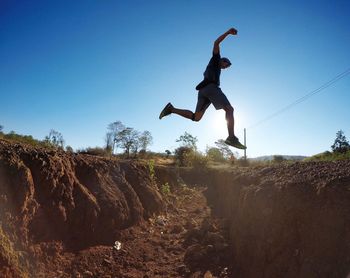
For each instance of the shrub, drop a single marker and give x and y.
(98, 151)
(181, 155)
(196, 160)
(152, 172)
(215, 154)
(165, 189)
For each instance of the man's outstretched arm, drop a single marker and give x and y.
(216, 49)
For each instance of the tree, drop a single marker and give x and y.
(167, 153)
(1, 128)
(145, 140)
(341, 144)
(113, 138)
(182, 154)
(224, 149)
(188, 140)
(109, 139)
(128, 140)
(215, 154)
(55, 139)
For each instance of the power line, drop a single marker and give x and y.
(314, 92)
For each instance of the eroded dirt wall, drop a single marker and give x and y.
(77, 200)
(286, 221)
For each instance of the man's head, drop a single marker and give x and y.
(225, 63)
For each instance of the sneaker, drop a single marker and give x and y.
(166, 111)
(234, 142)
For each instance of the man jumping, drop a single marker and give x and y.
(210, 92)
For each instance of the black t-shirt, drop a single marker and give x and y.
(212, 72)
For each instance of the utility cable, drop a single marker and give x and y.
(314, 92)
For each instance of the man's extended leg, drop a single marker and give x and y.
(231, 140)
(189, 114)
(230, 120)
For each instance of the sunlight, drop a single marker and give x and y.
(219, 126)
(218, 123)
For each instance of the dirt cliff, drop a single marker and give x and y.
(61, 213)
(285, 221)
(75, 200)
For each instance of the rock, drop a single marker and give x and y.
(182, 269)
(106, 262)
(208, 275)
(88, 274)
(195, 256)
(177, 229)
(196, 274)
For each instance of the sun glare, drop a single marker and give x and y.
(218, 123)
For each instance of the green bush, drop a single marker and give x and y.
(215, 154)
(196, 160)
(181, 155)
(152, 172)
(165, 189)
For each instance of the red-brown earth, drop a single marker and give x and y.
(73, 215)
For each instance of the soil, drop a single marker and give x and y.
(70, 215)
(158, 247)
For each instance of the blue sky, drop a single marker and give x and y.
(76, 66)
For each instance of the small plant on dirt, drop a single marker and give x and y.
(165, 189)
(152, 173)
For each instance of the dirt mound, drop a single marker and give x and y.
(76, 200)
(286, 221)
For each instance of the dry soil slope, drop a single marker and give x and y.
(285, 221)
(77, 200)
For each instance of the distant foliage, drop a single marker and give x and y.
(197, 160)
(54, 139)
(329, 156)
(26, 139)
(215, 154)
(97, 151)
(145, 140)
(188, 140)
(224, 149)
(168, 153)
(128, 139)
(186, 156)
(278, 159)
(341, 144)
(181, 154)
(1, 128)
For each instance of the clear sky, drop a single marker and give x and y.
(76, 66)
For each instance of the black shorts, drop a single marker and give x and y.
(211, 94)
